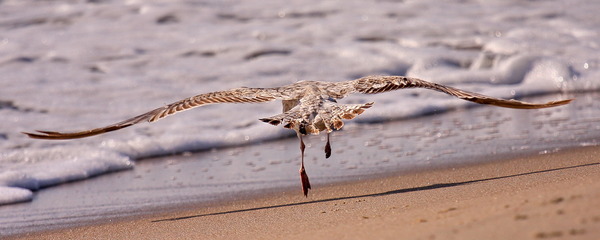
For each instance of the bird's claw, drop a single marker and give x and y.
(305, 181)
(327, 150)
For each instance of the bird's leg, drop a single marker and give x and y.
(303, 175)
(327, 148)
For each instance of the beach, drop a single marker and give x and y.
(546, 188)
(361, 152)
(548, 196)
(418, 164)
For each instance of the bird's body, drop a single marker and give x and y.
(308, 106)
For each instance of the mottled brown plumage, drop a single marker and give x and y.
(308, 106)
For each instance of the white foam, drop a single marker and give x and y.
(10, 195)
(32, 169)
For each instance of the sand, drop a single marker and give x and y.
(548, 196)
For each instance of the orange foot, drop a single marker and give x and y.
(305, 182)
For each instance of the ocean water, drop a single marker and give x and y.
(73, 65)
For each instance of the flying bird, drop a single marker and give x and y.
(308, 107)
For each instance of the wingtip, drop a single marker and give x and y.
(51, 135)
(40, 134)
(566, 101)
(47, 132)
(28, 134)
(560, 102)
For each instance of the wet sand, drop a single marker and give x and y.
(546, 196)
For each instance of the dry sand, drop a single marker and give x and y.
(549, 196)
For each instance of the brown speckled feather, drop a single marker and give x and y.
(308, 107)
(307, 104)
(238, 95)
(379, 84)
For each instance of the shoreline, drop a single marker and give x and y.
(533, 197)
(412, 150)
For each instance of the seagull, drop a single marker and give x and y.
(309, 107)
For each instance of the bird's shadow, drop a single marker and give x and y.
(404, 190)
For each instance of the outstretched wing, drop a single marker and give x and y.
(379, 84)
(238, 95)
